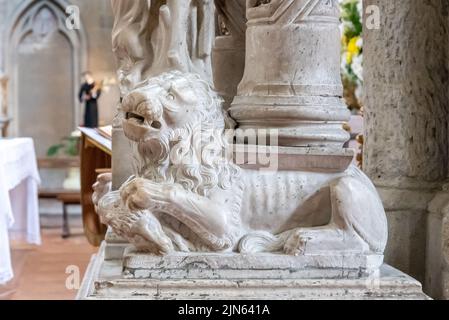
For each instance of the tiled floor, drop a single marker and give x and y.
(41, 271)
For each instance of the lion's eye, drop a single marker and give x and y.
(170, 96)
(156, 125)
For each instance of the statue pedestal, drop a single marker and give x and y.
(235, 277)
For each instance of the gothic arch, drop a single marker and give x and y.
(21, 24)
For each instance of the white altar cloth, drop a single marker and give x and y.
(19, 208)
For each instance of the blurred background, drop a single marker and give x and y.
(41, 65)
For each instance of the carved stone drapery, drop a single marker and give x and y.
(150, 37)
(292, 74)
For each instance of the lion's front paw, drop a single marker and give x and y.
(143, 194)
(102, 186)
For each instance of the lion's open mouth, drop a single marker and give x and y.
(135, 127)
(138, 128)
(137, 117)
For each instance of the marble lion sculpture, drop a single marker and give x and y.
(189, 196)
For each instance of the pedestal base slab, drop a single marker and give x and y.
(252, 266)
(105, 279)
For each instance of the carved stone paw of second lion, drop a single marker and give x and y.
(102, 187)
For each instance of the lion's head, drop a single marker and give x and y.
(176, 123)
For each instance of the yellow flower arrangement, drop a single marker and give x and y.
(352, 50)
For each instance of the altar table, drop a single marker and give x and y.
(19, 209)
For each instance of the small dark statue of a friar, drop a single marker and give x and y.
(90, 92)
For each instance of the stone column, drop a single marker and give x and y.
(437, 253)
(228, 56)
(437, 246)
(292, 74)
(406, 108)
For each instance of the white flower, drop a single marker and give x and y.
(342, 29)
(360, 7)
(359, 92)
(343, 62)
(357, 66)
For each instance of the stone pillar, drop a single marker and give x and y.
(228, 56)
(292, 74)
(437, 253)
(406, 108)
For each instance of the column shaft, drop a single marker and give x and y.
(406, 108)
(292, 74)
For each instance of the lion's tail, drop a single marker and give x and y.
(262, 241)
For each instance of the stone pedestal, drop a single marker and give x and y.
(227, 277)
(202, 226)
